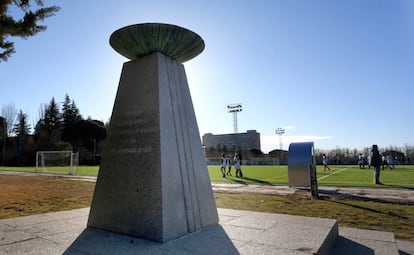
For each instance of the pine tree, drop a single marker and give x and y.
(22, 130)
(52, 120)
(24, 27)
(70, 113)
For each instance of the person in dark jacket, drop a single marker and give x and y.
(375, 163)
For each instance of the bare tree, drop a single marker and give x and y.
(9, 112)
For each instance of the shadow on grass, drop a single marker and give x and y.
(336, 193)
(396, 186)
(246, 181)
(390, 214)
(258, 181)
(237, 180)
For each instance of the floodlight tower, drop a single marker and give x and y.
(280, 132)
(234, 108)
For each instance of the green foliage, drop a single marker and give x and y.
(24, 27)
(61, 146)
(82, 131)
(52, 118)
(70, 113)
(21, 128)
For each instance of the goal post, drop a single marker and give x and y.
(58, 162)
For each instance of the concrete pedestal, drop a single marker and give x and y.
(153, 181)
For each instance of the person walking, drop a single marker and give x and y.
(375, 162)
(390, 161)
(237, 163)
(229, 164)
(325, 162)
(223, 162)
(361, 161)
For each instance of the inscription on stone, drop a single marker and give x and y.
(135, 133)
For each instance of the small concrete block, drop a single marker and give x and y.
(353, 245)
(362, 241)
(294, 237)
(367, 234)
(405, 247)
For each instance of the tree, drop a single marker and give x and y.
(22, 130)
(3, 133)
(86, 137)
(52, 118)
(70, 113)
(27, 26)
(9, 112)
(48, 128)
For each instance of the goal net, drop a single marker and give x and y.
(59, 162)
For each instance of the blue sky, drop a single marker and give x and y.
(339, 73)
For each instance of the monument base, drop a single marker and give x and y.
(153, 181)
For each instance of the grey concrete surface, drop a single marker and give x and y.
(239, 232)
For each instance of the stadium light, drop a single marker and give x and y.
(234, 109)
(280, 132)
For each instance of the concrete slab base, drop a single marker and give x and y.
(239, 232)
(365, 242)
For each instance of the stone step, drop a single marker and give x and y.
(267, 233)
(362, 241)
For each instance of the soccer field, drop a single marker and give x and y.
(343, 175)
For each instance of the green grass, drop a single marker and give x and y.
(81, 170)
(342, 176)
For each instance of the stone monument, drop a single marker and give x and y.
(153, 181)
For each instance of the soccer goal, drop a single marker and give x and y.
(58, 162)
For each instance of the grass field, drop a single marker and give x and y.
(349, 176)
(352, 176)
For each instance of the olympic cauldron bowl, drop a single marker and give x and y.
(138, 40)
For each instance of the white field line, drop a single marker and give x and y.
(340, 170)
